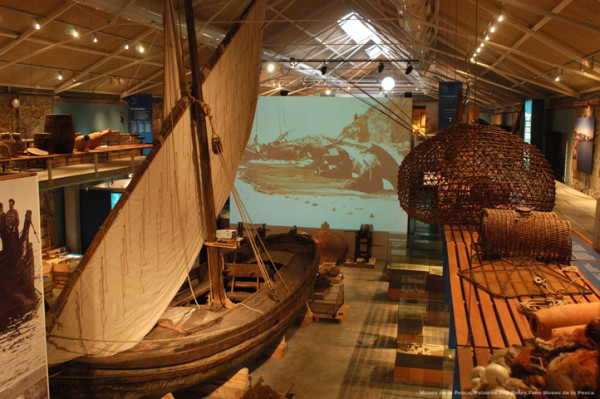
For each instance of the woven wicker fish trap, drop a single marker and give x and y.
(332, 247)
(452, 177)
(523, 233)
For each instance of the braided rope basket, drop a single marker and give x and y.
(523, 233)
(452, 177)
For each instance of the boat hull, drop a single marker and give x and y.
(150, 373)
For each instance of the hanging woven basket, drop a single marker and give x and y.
(452, 177)
(525, 234)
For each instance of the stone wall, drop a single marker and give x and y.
(29, 118)
(32, 114)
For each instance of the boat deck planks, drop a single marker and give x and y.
(484, 322)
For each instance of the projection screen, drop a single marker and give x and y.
(311, 160)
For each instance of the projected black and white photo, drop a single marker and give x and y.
(334, 159)
(22, 325)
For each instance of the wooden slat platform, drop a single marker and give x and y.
(484, 322)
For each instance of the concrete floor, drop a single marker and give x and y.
(577, 207)
(352, 359)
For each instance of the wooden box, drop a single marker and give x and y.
(330, 302)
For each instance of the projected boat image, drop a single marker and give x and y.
(113, 332)
(364, 154)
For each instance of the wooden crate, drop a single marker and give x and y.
(339, 316)
(329, 303)
(427, 365)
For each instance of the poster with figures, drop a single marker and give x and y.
(22, 325)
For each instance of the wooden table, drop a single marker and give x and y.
(484, 322)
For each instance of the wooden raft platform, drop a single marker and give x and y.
(484, 322)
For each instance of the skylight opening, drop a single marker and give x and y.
(376, 50)
(359, 31)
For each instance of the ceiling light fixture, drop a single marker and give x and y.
(328, 91)
(479, 49)
(140, 49)
(126, 46)
(487, 37)
(95, 39)
(388, 83)
(292, 63)
(75, 33)
(270, 67)
(492, 29)
(500, 18)
(60, 77)
(409, 68)
(36, 24)
(323, 69)
(380, 67)
(481, 44)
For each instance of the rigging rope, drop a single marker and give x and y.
(245, 215)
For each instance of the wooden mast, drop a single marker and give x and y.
(219, 299)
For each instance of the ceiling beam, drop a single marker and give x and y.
(95, 65)
(523, 27)
(109, 23)
(32, 29)
(524, 5)
(537, 26)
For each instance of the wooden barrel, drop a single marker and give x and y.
(332, 247)
(523, 233)
(63, 133)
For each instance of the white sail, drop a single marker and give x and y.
(138, 262)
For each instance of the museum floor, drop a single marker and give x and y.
(355, 358)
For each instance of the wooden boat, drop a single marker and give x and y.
(112, 333)
(209, 343)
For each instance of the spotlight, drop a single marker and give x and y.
(492, 29)
(481, 44)
(60, 77)
(380, 67)
(328, 91)
(270, 67)
(126, 46)
(472, 59)
(409, 68)
(487, 37)
(500, 18)
(323, 69)
(95, 39)
(557, 78)
(75, 33)
(479, 49)
(36, 24)
(292, 63)
(388, 83)
(141, 49)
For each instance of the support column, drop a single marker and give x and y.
(72, 219)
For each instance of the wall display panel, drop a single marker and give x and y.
(334, 159)
(583, 150)
(22, 325)
(89, 118)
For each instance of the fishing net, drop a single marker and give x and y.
(452, 177)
